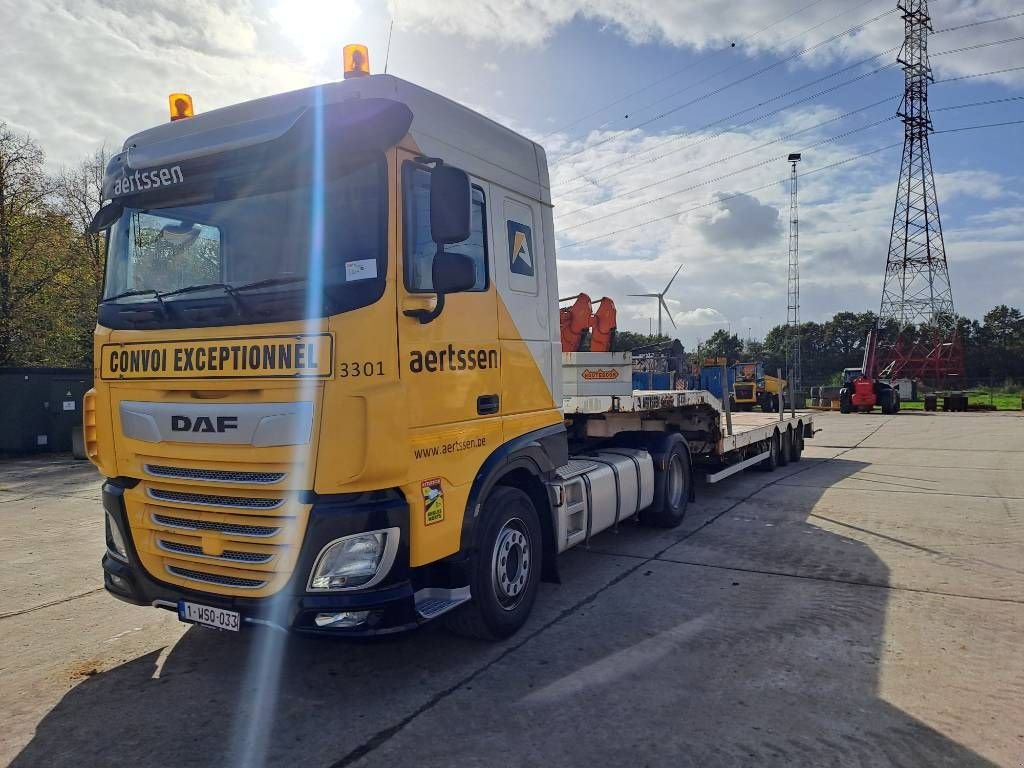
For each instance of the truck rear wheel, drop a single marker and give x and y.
(671, 487)
(506, 568)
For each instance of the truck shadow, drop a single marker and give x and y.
(697, 657)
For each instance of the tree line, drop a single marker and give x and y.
(993, 346)
(51, 268)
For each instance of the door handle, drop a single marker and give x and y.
(487, 404)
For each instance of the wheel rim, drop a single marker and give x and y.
(511, 561)
(676, 481)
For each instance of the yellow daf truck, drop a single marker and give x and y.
(330, 393)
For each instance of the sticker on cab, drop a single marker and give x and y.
(363, 269)
(433, 500)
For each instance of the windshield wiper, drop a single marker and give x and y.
(229, 290)
(140, 292)
(271, 281)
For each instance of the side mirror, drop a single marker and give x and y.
(449, 205)
(452, 273)
(105, 217)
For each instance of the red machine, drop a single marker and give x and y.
(579, 318)
(862, 390)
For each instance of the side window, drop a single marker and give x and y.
(419, 245)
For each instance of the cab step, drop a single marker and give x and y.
(433, 601)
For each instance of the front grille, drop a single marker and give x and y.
(215, 475)
(237, 529)
(744, 393)
(228, 554)
(216, 578)
(207, 500)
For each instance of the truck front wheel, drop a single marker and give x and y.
(506, 568)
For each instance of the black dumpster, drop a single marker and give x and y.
(40, 407)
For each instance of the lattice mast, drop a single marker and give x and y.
(793, 308)
(916, 294)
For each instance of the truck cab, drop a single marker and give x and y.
(329, 325)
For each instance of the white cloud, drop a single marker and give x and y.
(754, 27)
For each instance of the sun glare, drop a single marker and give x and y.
(317, 26)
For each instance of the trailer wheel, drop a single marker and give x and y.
(797, 447)
(785, 447)
(772, 462)
(506, 568)
(671, 487)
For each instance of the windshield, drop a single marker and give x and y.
(247, 231)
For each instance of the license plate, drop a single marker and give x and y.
(218, 618)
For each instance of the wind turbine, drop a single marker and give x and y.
(661, 300)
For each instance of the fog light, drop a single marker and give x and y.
(115, 539)
(360, 560)
(341, 619)
(120, 583)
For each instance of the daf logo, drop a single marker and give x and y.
(203, 423)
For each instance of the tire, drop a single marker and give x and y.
(772, 462)
(896, 404)
(845, 406)
(506, 569)
(785, 444)
(672, 484)
(797, 448)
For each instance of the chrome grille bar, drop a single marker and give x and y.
(214, 475)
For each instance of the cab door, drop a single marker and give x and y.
(450, 366)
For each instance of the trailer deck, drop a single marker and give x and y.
(748, 427)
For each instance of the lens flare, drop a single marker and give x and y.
(262, 680)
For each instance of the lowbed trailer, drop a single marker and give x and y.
(330, 392)
(719, 443)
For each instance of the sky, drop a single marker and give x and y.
(666, 124)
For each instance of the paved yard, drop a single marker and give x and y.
(864, 607)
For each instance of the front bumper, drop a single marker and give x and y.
(391, 604)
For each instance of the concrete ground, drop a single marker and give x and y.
(864, 607)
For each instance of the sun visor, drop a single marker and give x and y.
(353, 127)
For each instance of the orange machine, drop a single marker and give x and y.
(577, 319)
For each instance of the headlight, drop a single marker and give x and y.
(360, 560)
(115, 539)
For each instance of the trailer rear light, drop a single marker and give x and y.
(180, 106)
(357, 61)
(92, 450)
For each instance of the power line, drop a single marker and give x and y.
(725, 198)
(989, 73)
(975, 47)
(822, 169)
(733, 83)
(691, 65)
(730, 174)
(590, 178)
(978, 103)
(976, 127)
(727, 158)
(978, 23)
